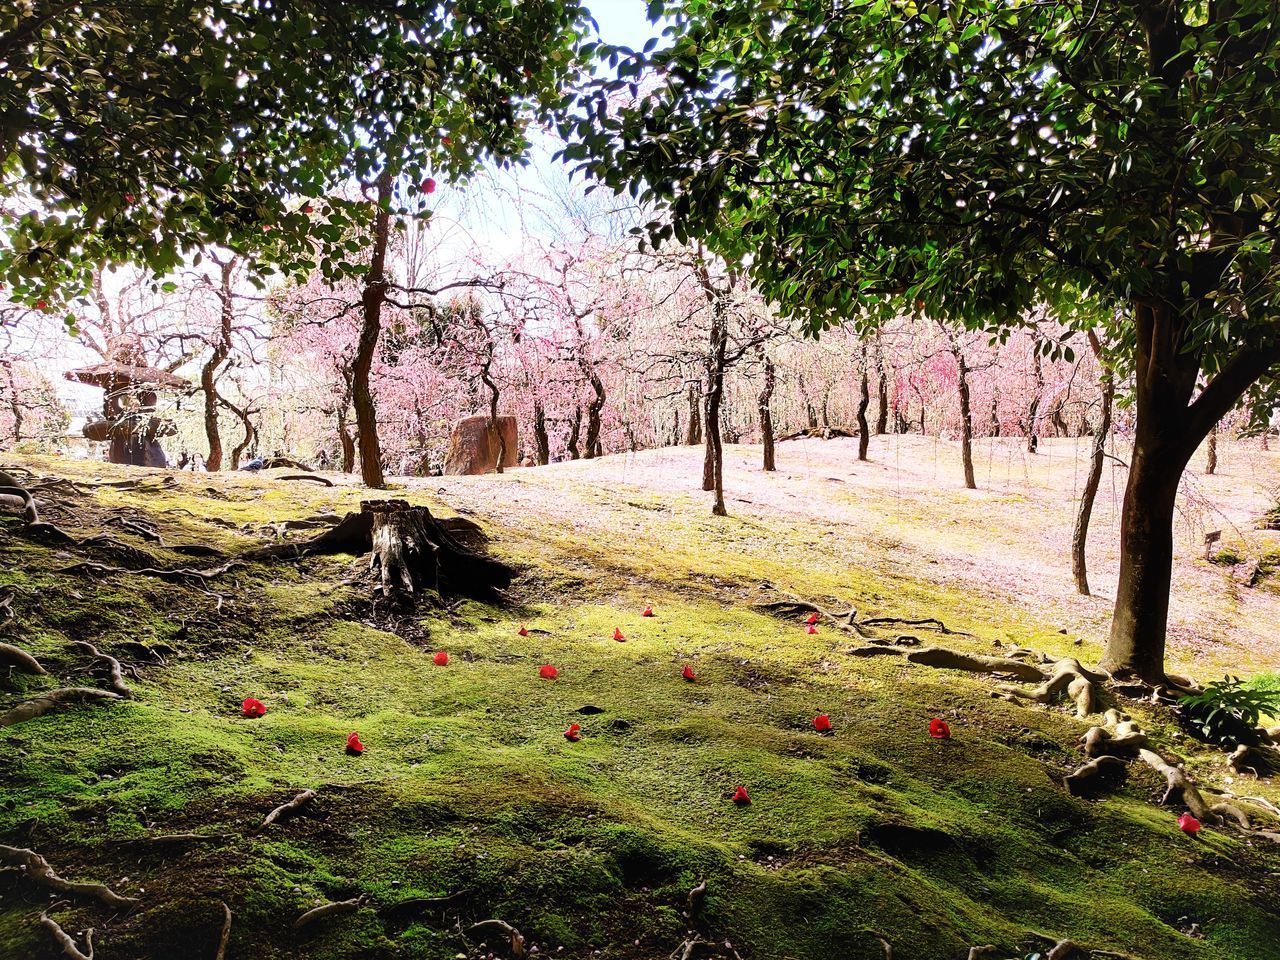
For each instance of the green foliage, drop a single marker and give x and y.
(1228, 710)
(973, 158)
(144, 132)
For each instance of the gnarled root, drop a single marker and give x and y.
(1098, 776)
(1067, 677)
(1123, 739)
(1179, 785)
(514, 938)
(38, 870)
(38, 706)
(115, 672)
(64, 940)
(1254, 760)
(19, 659)
(946, 659)
(225, 937)
(328, 910)
(286, 810)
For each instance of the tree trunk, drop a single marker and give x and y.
(1097, 458)
(864, 401)
(495, 434)
(995, 410)
(966, 420)
(412, 552)
(209, 372)
(250, 434)
(347, 443)
(594, 406)
(713, 464)
(542, 443)
(575, 426)
(882, 390)
(766, 414)
(1211, 454)
(693, 435)
(375, 295)
(1037, 388)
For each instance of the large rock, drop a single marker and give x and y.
(473, 449)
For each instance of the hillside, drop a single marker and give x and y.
(468, 804)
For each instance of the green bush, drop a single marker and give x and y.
(1228, 711)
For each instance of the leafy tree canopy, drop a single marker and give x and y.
(977, 156)
(142, 131)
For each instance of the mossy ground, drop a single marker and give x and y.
(468, 787)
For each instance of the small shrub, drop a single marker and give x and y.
(1228, 712)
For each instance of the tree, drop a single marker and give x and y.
(982, 159)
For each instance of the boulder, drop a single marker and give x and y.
(473, 449)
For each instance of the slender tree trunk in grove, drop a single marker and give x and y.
(375, 295)
(594, 407)
(713, 463)
(1097, 456)
(575, 427)
(693, 435)
(864, 401)
(495, 432)
(209, 371)
(244, 415)
(1037, 388)
(1211, 453)
(882, 390)
(541, 442)
(766, 414)
(966, 421)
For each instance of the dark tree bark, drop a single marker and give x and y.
(1037, 388)
(693, 436)
(766, 414)
(575, 427)
(864, 401)
(1211, 454)
(1097, 457)
(713, 466)
(966, 420)
(995, 410)
(882, 390)
(375, 295)
(1168, 429)
(244, 414)
(595, 405)
(495, 434)
(209, 371)
(541, 442)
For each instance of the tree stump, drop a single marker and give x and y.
(412, 551)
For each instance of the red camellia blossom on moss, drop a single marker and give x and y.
(574, 733)
(523, 631)
(252, 707)
(688, 673)
(648, 612)
(548, 672)
(939, 729)
(811, 618)
(429, 185)
(353, 743)
(822, 723)
(1188, 824)
(441, 659)
(812, 629)
(617, 635)
(740, 796)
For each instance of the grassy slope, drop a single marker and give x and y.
(468, 785)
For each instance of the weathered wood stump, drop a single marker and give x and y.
(411, 550)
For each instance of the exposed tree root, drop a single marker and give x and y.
(328, 910)
(19, 659)
(64, 939)
(1098, 776)
(1067, 677)
(514, 938)
(167, 838)
(1124, 739)
(696, 898)
(928, 623)
(38, 706)
(1255, 760)
(1065, 950)
(1179, 785)
(323, 481)
(38, 870)
(689, 947)
(946, 659)
(115, 672)
(977, 953)
(888, 947)
(286, 810)
(174, 575)
(225, 937)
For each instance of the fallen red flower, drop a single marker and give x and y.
(574, 733)
(548, 672)
(822, 723)
(523, 631)
(740, 796)
(812, 618)
(1188, 824)
(252, 707)
(354, 744)
(441, 659)
(688, 673)
(617, 635)
(648, 612)
(939, 729)
(812, 628)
